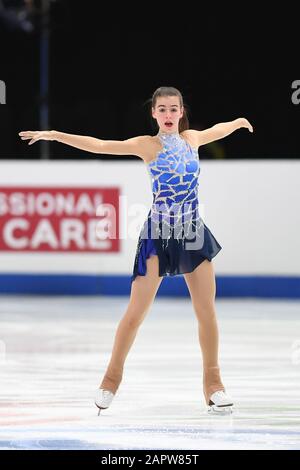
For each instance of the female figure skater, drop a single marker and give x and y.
(164, 247)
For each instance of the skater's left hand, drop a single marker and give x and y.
(243, 122)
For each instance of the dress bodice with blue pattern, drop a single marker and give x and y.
(174, 175)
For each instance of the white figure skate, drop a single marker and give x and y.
(220, 403)
(103, 399)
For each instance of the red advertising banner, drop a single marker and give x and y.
(59, 219)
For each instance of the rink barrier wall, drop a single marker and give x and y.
(227, 286)
(252, 206)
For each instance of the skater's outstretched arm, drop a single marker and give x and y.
(134, 146)
(218, 131)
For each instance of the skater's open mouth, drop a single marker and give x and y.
(169, 124)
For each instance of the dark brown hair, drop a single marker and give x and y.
(171, 91)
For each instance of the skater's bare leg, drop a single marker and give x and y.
(143, 291)
(202, 287)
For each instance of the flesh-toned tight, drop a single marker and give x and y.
(202, 288)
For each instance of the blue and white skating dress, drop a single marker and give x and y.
(174, 229)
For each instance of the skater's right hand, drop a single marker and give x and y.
(37, 135)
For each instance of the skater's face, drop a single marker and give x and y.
(167, 112)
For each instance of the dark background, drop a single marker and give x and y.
(106, 63)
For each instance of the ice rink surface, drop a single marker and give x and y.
(54, 352)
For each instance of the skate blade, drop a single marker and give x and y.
(99, 409)
(220, 410)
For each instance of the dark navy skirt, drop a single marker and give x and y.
(174, 258)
